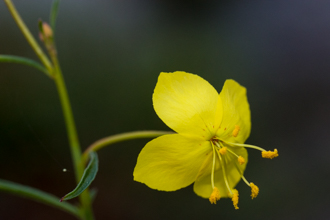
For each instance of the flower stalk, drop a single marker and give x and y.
(119, 138)
(56, 73)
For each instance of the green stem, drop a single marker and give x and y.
(72, 135)
(56, 73)
(69, 120)
(121, 137)
(38, 195)
(33, 43)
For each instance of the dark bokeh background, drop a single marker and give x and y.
(111, 53)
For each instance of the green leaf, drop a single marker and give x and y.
(87, 178)
(37, 195)
(53, 14)
(23, 60)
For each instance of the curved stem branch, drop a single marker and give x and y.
(121, 137)
(25, 61)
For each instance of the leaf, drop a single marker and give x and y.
(87, 178)
(53, 14)
(37, 195)
(23, 60)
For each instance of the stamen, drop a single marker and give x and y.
(254, 190)
(223, 150)
(224, 173)
(246, 182)
(241, 160)
(244, 145)
(213, 165)
(235, 199)
(269, 154)
(236, 130)
(215, 196)
(240, 172)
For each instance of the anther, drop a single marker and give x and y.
(236, 130)
(241, 160)
(254, 190)
(269, 154)
(235, 198)
(215, 196)
(223, 150)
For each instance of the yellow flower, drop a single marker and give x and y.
(208, 149)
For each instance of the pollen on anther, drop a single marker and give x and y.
(236, 130)
(269, 154)
(254, 190)
(215, 196)
(241, 160)
(223, 150)
(235, 199)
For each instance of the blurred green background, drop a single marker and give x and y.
(112, 52)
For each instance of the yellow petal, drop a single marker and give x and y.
(171, 162)
(202, 186)
(236, 122)
(188, 104)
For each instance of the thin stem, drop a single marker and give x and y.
(241, 173)
(33, 43)
(25, 61)
(69, 121)
(56, 73)
(247, 182)
(244, 145)
(119, 138)
(72, 135)
(38, 195)
(232, 153)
